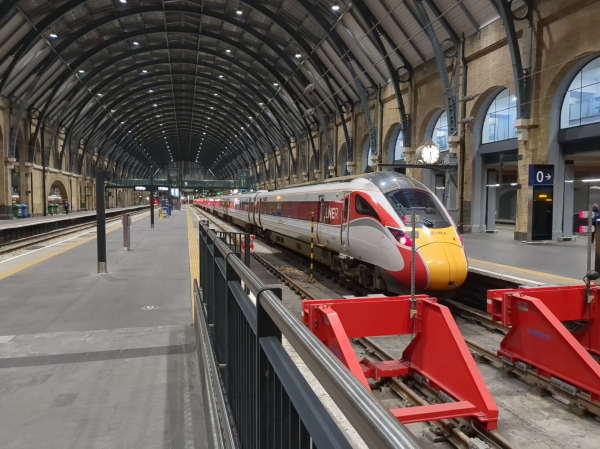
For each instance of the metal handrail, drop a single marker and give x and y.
(212, 388)
(373, 422)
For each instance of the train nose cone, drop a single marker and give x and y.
(446, 263)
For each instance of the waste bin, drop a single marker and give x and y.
(16, 210)
(56, 209)
(24, 210)
(170, 208)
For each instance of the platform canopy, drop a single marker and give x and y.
(221, 82)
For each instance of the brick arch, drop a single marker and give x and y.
(566, 74)
(425, 124)
(387, 141)
(61, 187)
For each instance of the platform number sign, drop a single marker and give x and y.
(541, 175)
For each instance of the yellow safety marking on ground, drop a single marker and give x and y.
(194, 257)
(524, 270)
(33, 262)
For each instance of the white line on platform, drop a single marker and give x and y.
(504, 277)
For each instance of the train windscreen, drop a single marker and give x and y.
(431, 213)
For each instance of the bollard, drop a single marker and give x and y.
(126, 232)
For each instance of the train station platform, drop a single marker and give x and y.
(72, 215)
(499, 255)
(101, 361)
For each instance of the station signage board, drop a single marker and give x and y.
(140, 188)
(163, 189)
(541, 175)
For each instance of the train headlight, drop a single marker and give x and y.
(400, 237)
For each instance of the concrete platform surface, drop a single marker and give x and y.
(83, 364)
(558, 263)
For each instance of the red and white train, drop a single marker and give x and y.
(360, 228)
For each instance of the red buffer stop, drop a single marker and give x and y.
(538, 338)
(437, 355)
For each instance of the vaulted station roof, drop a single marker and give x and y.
(145, 82)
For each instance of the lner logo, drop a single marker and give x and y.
(538, 334)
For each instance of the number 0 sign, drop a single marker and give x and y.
(541, 175)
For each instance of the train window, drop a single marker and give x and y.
(423, 203)
(363, 207)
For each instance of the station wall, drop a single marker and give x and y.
(565, 36)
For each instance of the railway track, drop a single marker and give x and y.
(579, 403)
(459, 433)
(26, 242)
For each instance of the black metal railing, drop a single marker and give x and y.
(238, 242)
(255, 396)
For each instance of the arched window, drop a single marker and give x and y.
(581, 105)
(367, 153)
(440, 132)
(499, 123)
(398, 154)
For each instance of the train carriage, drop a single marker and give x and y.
(360, 228)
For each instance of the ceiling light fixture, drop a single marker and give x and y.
(275, 84)
(53, 36)
(239, 12)
(82, 71)
(144, 71)
(335, 7)
(298, 55)
(220, 76)
(136, 43)
(228, 51)
(154, 105)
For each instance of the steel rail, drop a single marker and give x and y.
(577, 403)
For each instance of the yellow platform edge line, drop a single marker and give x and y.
(194, 253)
(33, 262)
(525, 270)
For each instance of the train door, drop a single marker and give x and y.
(321, 218)
(259, 206)
(345, 222)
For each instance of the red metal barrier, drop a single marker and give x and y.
(538, 337)
(437, 355)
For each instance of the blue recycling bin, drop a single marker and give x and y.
(24, 210)
(170, 208)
